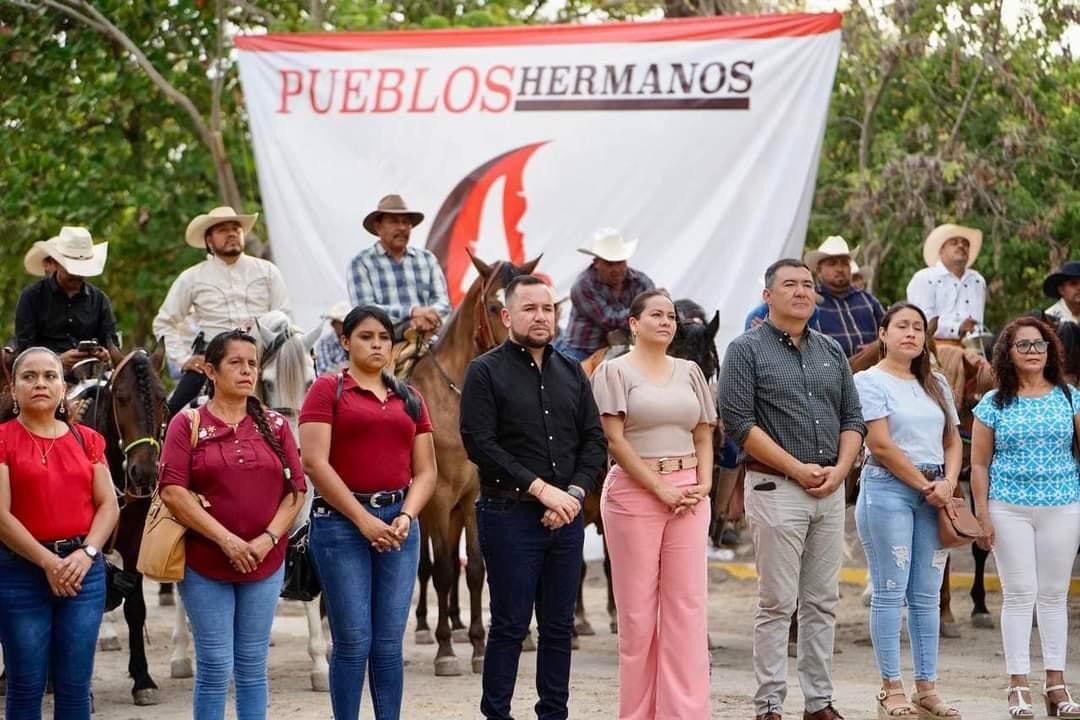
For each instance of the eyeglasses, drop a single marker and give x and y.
(1029, 347)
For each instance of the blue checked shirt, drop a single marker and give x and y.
(851, 320)
(329, 354)
(375, 278)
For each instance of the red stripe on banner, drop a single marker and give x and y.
(759, 27)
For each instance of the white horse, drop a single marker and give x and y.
(287, 373)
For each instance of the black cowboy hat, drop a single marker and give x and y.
(1068, 271)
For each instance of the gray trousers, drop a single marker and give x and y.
(798, 548)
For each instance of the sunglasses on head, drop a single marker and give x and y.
(1029, 347)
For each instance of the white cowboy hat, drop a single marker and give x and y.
(834, 246)
(391, 205)
(338, 312)
(195, 235)
(931, 249)
(608, 244)
(73, 249)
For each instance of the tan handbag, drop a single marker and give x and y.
(957, 525)
(162, 555)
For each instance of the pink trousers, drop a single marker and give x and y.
(660, 578)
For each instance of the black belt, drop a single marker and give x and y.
(65, 546)
(488, 491)
(932, 473)
(379, 499)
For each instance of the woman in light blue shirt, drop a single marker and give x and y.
(1026, 487)
(912, 469)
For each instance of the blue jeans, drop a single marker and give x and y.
(528, 566)
(47, 636)
(230, 623)
(368, 595)
(899, 533)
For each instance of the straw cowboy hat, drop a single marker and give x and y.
(608, 244)
(834, 246)
(931, 250)
(195, 235)
(338, 312)
(391, 205)
(73, 249)
(1052, 284)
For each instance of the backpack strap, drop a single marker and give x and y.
(193, 418)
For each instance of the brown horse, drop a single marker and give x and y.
(474, 328)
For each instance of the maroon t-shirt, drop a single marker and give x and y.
(371, 441)
(242, 479)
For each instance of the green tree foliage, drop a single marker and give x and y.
(127, 116)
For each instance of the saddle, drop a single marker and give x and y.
(408, 351)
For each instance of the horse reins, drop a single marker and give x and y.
(154, 441)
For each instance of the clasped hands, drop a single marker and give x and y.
(65, 574)
(681, 500)
(562, 507)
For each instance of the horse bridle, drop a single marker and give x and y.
(272, 349)
(154, 441)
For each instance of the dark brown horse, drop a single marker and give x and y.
(474, 328)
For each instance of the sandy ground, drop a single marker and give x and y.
(972, 668)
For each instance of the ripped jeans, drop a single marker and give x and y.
(899, 533)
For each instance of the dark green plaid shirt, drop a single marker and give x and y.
(802, 397)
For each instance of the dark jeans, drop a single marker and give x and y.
(528, 566)
(186, 390)
(368, 595)
(46, 636)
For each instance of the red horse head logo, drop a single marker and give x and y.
(457, 224)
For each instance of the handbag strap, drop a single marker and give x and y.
(193, 418)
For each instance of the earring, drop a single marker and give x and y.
(62, 410)
(14, 406)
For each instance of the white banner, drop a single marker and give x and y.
(700, 137)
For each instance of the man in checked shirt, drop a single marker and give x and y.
(788, 399)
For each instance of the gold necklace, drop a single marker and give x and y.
(42, 450)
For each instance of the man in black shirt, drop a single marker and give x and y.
(529, 422)
(63, 309)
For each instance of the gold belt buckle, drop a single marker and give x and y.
(662, 463)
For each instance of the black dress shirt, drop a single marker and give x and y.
(45, 315)
(519, 423)
(802, 397)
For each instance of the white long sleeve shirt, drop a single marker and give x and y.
(952, 300)
(1061, 311)
(217, 297)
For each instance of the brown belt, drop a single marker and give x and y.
(668, 465)
(760, 467)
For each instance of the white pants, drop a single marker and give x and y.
(1034, 549)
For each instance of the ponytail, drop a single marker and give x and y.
(404, 391)
(258, 416)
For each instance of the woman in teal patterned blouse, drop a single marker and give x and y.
(1026, 486)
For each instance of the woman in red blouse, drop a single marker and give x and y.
(57, 509)
(367, 445)
(246, 468)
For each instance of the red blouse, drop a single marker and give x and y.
(371, 441)
(242, 479)
(55, 500)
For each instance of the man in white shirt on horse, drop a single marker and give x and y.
(227, 290)
(947, 288)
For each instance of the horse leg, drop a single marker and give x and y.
(423, 634)
(980, 614)
(144, 690)
(474, 577)
(320, 669)
(948, 622)
(108, 638)
(180, 663)
(443, 574)
(457, 627)
(613, 617)
(793, 635)
(582, 626)
(165, 595)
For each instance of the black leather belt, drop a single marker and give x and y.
(488, 491)
(379, 499)
(65, 546)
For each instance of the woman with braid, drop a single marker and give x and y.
(237, 486)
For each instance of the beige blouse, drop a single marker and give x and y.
(659, 419)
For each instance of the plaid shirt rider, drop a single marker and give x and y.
(375, 278)
(597, 309)
(851, 319)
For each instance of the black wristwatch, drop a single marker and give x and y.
(577, 493)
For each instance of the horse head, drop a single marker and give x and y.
(7, 363)
(695, 339)
(285, 367)
(136, 408)
(481, 310)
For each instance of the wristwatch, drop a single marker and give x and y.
(90, 550)
(577, 493)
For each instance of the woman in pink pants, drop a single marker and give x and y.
(658, 413)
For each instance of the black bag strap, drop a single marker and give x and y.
(77, 435)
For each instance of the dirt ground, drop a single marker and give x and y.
(972, 668)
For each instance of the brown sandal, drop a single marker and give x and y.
(936, 710)
(901, 710)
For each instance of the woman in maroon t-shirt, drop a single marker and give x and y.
(57, 508)
(368, 449)
(244, 464)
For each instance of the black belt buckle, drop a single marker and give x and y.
(63, 547)
(382, 499)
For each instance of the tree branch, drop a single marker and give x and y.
(219, 75)
(975, 82)
(255, 11)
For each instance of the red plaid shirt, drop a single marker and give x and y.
(597, 309)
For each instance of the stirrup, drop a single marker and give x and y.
(1022, 708)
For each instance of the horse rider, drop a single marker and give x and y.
(406, 282)
(947, 288)
(600, 297)
(1064, 286)
(63, 311)
(226, 291)
(330, 354)
(846, 314)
